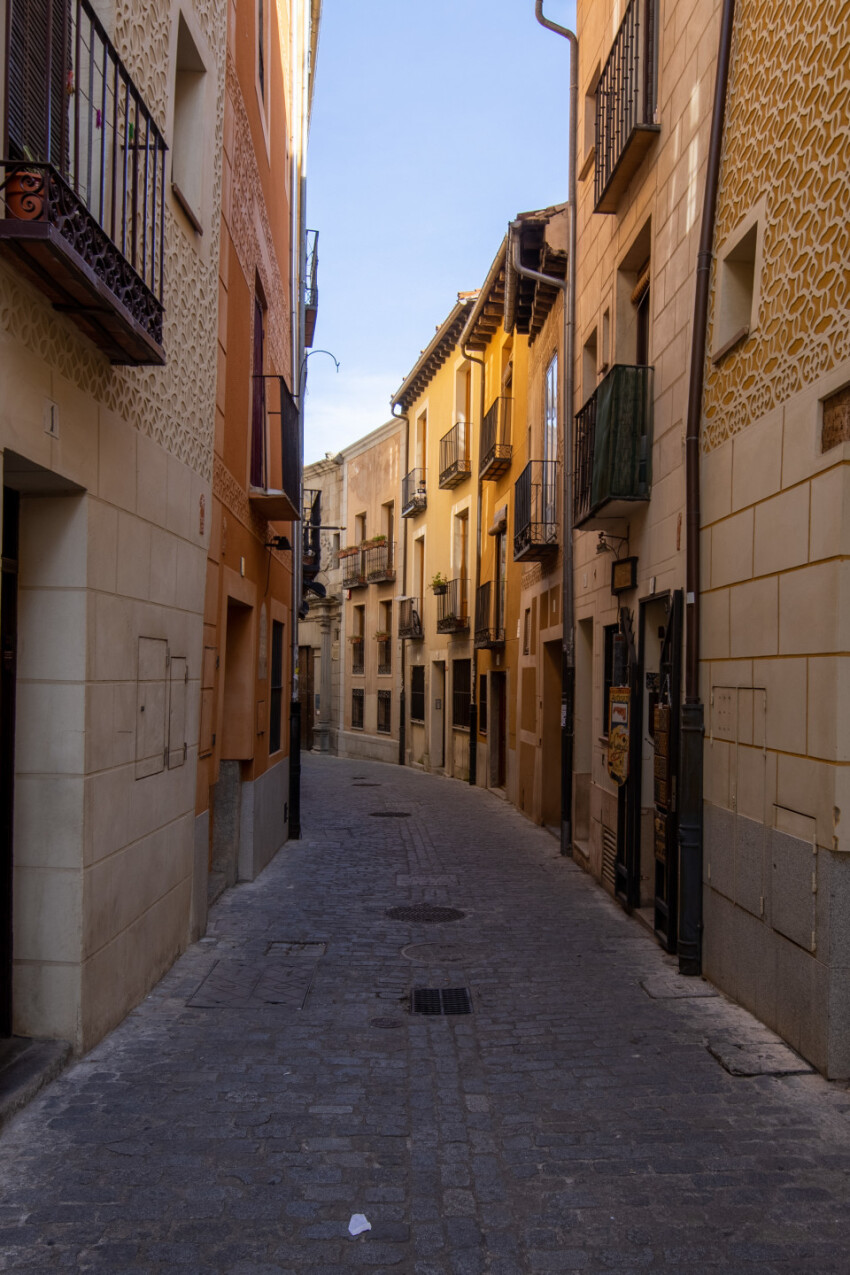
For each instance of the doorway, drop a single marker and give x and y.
(306, 693)
(498, 730)
(551, 746)
(8, 677)
(438, 715)
(237, 737)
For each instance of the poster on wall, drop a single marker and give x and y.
(619, 715)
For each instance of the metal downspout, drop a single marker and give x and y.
(693, 727)
(568, 640)
(473, 702)
(402, 698)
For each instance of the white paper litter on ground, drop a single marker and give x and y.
(359, 1224)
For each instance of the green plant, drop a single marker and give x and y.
(439, 581)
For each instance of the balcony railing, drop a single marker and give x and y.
(311, 519)
(275, 475)
(489, 616)
(379, 561)
(83, 179)
(414, 497)
(358, 647)
(453, 607)
(496, 439)
(454, 456)
(625, 105)
(536, 506)
(311, 287)
(410, 618)
(613, 445)
(353, 568)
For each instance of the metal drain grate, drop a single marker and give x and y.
(426, 913)
(440, 1000)
(389, 814)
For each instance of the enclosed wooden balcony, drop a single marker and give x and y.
(455, 465)
(275, 473)
(536, 506)
(613, 446)
(626, 97)
(82, 179)
(495, 451)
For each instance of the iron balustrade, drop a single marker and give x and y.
(536, 507)
(410, 618)
(414, 497)
(489, 624)
(496, 450)
(454, 455)
(83, 179)
(379, 561)
(311, 287)
(353, 570)
(385, 656)
(453, 607)
(626, 97)
(613, 444)
(357, 698)
(276, 463)
(311, 518)
(358, 658)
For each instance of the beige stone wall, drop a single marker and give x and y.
(658, 218)
(103, 854)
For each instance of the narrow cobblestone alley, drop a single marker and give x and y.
(275, 1083)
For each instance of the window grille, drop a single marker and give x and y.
(357, 709)
(385, 712)
(461, 693)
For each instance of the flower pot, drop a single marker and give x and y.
(24, 194)
(440, 589)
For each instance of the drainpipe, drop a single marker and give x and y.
(693, 727)
(568, 639)
(402, 698)
(299, 250)
(473, 702)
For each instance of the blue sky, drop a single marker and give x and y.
(433, 125)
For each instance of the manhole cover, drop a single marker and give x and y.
(386, 1023)
(440, 1000)
(427, 913)
(389, 814)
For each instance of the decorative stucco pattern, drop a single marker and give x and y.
(787, 140)
(174, 404)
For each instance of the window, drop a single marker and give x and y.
(385, 712)
(359, 528)
(482, 705)
(631, 337)
(417, 693)
(385, 644)
(588, 150)
(588, 367)
(526, 631)
(501, 579)
(550, 441)
(738, 276)
(258, 396)
(357, 709)
(461, 670)
(186, 155)
(276, 687)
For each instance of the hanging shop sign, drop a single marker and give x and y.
(623, 575)
(619, 723)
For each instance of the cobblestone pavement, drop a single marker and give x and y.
(275, 1082)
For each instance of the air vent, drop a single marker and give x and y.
(440, 1000)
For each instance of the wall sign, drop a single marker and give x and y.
(623, 575)
(619, 724)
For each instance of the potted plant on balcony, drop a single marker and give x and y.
(383, 635)
(24, 190)
(439, 583)
(349, 552)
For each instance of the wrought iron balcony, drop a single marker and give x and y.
(414, 497)
(353, 568)
(496, 448)
(453, 607)
(454, 456)
(275, 473)
(489, 617)
(613, 446)
(358, 647)
(536, 506)
(311, 556)
(410, 618)
(626, 98)
(82, 182)
(311, 287)
(380, 561)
